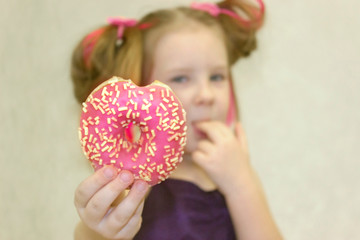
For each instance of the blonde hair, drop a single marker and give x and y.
(132, 59)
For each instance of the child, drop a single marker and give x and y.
(214, 193)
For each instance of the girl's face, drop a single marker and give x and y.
(193, 62)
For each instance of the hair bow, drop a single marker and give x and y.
(211, 8)
(215, 10)
(121, 23)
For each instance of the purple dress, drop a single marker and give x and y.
(177, 209)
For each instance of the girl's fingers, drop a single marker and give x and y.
(240, 134)
(205, 146)
(132, 226)
(92, 184)
(126, 209)
(214, 130)
(199, 157)
(100, 203)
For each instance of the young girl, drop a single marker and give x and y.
(214, 193)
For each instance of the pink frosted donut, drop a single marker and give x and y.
(113, 108)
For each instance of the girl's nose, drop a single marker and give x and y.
(205, 94)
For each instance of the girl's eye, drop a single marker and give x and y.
(179, 79)
(217, 77)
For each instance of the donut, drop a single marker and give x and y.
(140, 129)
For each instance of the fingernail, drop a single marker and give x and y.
(141, 186)
(125, 176)
(109, 172)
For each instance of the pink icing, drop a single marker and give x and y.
(116, 104)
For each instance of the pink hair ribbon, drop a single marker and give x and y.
(215, 10)
(121, 23)
(91, 39)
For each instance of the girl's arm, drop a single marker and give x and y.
(225, 158)
(249, 210)
(82, 232)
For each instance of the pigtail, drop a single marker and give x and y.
(79, 74)
(103, 54)
(241, 31)
(130, 56)
(105, 59)
(88, 61)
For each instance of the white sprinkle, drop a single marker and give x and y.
(102, 110)
(105, 148)
(128, 113)
(104, 92)
(151, 151)
(84, 107)
(147, 118)
(174, 159)
(162, 106)
(172, 137)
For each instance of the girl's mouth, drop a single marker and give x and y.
(198, 133)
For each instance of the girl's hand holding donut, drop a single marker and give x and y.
(223, 154)
(94, 200)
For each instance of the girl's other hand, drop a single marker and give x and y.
(94, 201)
(223, 154)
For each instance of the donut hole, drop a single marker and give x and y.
(132, 133)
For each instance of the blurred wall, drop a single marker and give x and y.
(298, 95)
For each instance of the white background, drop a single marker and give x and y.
(298, 93)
